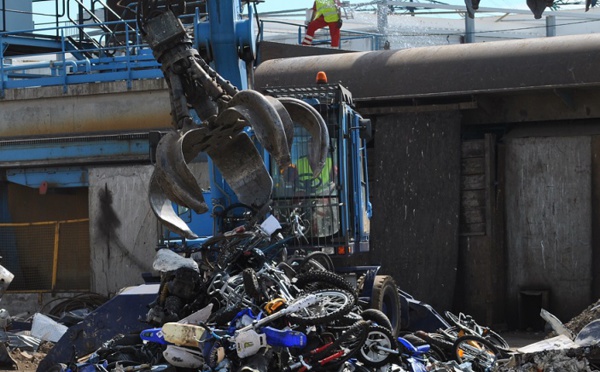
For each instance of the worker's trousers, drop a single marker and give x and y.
(334, 31)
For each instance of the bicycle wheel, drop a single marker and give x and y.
(435, 352)
(375, 352)
(332, 304)
(477, 350)
(316, 259)
(314, 280)
(440, 341)
(496, 339)
(346, 346)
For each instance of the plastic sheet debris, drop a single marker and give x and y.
(556, 324)
(47, 329)
(22, 341)
(555, 343)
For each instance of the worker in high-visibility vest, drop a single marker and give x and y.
(323, 184)
(326, 13)
(319, 197)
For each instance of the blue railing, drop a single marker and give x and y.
(346, 35)
(116, 56)
(107, 57)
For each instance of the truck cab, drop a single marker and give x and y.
(335, 205)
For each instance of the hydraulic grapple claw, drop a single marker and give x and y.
(173, 175)
(286, 119)
(250, 108)
(164, 211)
(238, 160)
(226, 112)
(309, 118)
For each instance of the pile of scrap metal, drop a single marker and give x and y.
(236, 305)
(233, 306)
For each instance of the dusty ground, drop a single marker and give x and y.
(29, 360)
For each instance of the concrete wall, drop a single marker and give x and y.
(123, 230)
(85, 108)
(415, 197)
(549, 231)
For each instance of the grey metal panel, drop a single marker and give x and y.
(415, 198)
(123, 230)
(549, 232)
(449, 69)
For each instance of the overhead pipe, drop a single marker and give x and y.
(563, 61)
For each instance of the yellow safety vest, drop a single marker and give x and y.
(303, 168)
(328, 10)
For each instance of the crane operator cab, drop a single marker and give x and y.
(334, 205)
(316, 197)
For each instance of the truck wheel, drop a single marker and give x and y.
(385, 298)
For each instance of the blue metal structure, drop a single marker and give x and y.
(228, 40)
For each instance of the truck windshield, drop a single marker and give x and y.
(316, 197)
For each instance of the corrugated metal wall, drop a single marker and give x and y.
(416, 202)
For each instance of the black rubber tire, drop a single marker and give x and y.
(287, 269)
(321, 258)
(487, 353)
(496, 340)
(378, 317)
(369, 355)
(438, 340)
(333, 304)
(385, 298)
(314, 280)
(351, 341)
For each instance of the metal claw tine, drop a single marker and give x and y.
(173, 175)
(242, 167)
(288, 123)
(163, 210)
(309, 118)
(254, 109)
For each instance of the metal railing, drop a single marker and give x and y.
(75, 63)
(113, 56)
(346, 35)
